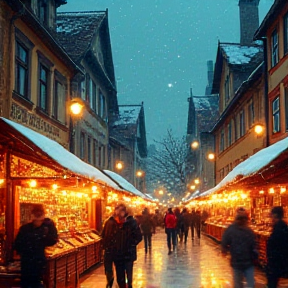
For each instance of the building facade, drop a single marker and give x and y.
(274, 33)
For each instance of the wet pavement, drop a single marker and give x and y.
(198, 264)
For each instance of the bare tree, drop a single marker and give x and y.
(166, 165)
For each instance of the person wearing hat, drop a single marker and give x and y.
(30, 244)
(277, 248)
(240, 241)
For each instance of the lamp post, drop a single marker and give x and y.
(76, 106)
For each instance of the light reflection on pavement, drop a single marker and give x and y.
(198, 264)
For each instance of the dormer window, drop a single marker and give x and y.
(43, 11)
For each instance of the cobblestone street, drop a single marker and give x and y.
(194, 265)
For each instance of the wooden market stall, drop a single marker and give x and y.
(35, 169)
(258, 184)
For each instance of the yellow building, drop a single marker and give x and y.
(274, 32)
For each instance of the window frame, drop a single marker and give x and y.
(222, 141)
(242, 129)
(274, 48)
(276, 115)
(251, 113)
(43, 4)
(93, 95)
(59, 79)
(229, 134)
(82, 146)
(285, 33)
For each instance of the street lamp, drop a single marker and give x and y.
(197, 181)
(211, 156)
(258, 129)
(119, 165)
(194, 145)
(76, 107)
(139, 173)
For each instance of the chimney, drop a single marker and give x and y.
(210, 74)
(249, 20)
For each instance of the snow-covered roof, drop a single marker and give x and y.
(124, 183)
(128, 114)
(63, 157)
(237, 54)
(75, 30)
(251, 166)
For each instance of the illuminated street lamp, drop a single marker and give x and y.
(258, 129)
(161, 192)
(139, 173)
(194, 145)
(211, 156)
(76, 107)
(119, 165)
(192, 187)
(197, 181)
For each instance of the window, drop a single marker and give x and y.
(230, 133)
(100, 156)
(21, 67)
(274, 48)
(251, 114)
(83, 90)
(59, 102)
(276, 115)
(222, 135)
(286, 107)
(95, 152)
(92, 95)
(102, 106)
(82, 145)
(89, 144)
(43, 88)
(242, 123)
(227, 89)
(285, 31)
(43, 11)
(236, 128)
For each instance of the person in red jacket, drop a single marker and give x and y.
(170, 221)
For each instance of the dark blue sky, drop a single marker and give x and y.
(160, 49)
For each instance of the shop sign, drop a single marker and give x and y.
(22, 116)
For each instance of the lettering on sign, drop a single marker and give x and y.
(22, 116)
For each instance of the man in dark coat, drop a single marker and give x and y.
(30, 244)
(239, 239)
(147, 228)
(121, 235)
(277, 248)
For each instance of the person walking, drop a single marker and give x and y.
(122, 235)
(147, 228)
(107, 234)
(30, 244)
(170, 229)
(239, 239)
(193, 223)
(277, 250)
(198, 223)
(186, 219)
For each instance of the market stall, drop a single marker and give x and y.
(35, 169)
(258, 184)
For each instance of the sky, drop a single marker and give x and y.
(160, 49)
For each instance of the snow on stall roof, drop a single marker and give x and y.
(128, 115)
(63, 157)
(238, 54)
(124, 183)
(251, 165)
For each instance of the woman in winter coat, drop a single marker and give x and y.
(147, 228)
(170, 221)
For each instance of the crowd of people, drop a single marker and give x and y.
(122, 232)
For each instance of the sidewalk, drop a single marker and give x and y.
(198, 264)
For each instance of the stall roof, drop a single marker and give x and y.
(262, 164)
(125, 184)
(48, 149)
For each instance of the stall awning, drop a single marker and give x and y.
(268, 166)
(47, 152)
(125, 184)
